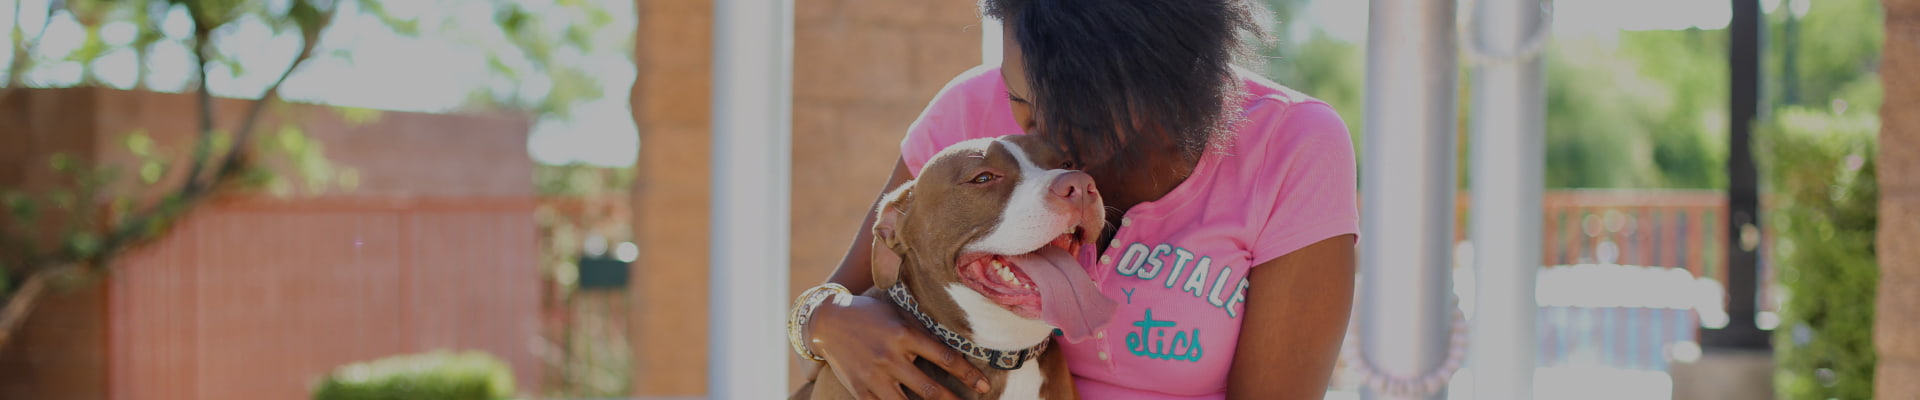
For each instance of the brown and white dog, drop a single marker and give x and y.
(989, 243)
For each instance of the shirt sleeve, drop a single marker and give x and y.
(961, 111)
(1310, 176)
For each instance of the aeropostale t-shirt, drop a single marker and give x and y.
(1178, 266)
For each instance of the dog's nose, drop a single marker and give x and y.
(1073, 187)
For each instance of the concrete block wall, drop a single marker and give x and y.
(863, 69)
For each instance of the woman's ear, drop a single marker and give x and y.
(886, 233)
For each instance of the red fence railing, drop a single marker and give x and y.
(1664, 228)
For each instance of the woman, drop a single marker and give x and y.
(1230, 244)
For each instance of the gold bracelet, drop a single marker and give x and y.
(803, 310)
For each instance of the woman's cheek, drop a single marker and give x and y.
(1023, 114)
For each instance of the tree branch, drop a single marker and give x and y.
(24, 49)
(21, 304)
(272, 93)
(202, 38)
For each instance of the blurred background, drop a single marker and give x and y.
(332, 199)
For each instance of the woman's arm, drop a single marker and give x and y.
(856, 268)
(1296, 316)
(871, 349)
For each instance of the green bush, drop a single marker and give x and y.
(469, 375)
(1821, 171)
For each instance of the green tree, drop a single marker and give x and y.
(63, 236)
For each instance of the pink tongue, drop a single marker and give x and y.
(1068, 298)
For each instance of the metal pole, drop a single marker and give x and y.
(1508, 146)
(1407, 184)
(752, 153)
(1745, 34)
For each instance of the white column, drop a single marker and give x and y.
(1508, 146)
(1407, 184)
(990, 36)
(752, 155)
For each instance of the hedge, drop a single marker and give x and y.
(471, 375)
(1821, 172)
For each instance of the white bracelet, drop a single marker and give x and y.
(803, 311)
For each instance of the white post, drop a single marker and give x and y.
(1508, 146)
(1407, 184)
(990, 37)
(752, 155)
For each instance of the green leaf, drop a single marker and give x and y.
(151, 171)
(61, 162)
(357, 117)
(139, 143)
(308, 17)
(85, 244)
(234, 67)
(580, 36)
(221, 142)
(122, 207)
(90, 49)
(21, 207)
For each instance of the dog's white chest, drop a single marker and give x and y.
(1024, 383)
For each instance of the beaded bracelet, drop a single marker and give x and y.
(803, 310)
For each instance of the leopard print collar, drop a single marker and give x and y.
(1004, 360)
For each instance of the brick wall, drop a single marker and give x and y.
(1896, 331)
(863, 69)
(671, 92)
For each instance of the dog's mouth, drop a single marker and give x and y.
(1004, 278)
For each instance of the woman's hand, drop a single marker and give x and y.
(872, 351)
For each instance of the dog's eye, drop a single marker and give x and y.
(983, 177)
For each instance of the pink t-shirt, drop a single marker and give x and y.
(1179, 265)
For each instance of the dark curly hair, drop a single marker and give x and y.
(1154, 72)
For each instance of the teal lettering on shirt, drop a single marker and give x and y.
(1185, 346)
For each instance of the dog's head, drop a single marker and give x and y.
(994, 228)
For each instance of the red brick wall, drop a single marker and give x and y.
(863, 69)
(671, 94)
(254, 296)
(1896, 331)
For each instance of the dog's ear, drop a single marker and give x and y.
(886, 234)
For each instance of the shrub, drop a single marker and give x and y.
(1821, 172)
(469, 375)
